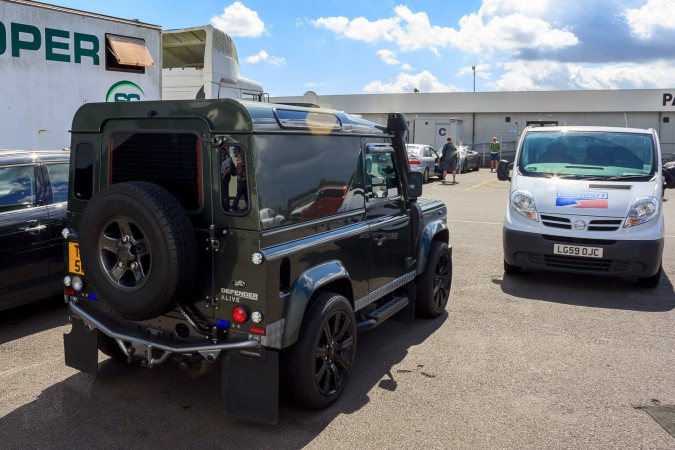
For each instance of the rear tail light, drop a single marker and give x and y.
(414, 161)
(239, 314)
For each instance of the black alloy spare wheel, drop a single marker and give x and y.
(138, 249)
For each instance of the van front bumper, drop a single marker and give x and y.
(622, 258)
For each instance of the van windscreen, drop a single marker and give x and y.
(604, 155)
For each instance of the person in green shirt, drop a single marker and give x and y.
(495, 147)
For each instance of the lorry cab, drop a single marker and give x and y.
(586, 200)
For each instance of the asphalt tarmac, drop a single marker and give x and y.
(538, 360)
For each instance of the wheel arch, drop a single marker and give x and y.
(330, 276)
(436, 230)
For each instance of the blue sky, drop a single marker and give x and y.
(382, 46)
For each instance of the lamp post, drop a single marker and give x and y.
(474, 77)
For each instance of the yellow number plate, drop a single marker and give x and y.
(74, 262)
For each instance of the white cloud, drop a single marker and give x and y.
(238, 20)
(481, 34)
(423, 81)
(263, 56)
(359, 29)
(643, 22)
(552, 75)
(407, 67)
(500, 25)
(388, 57)
(410, 31)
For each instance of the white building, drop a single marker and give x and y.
(504, 114)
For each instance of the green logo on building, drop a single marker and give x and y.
(124, 91)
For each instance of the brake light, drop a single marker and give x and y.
(414, 161)
(239, 314)
(257, 330)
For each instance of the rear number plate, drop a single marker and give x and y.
(74, 262)
(576, 250)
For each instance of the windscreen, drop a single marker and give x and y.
(601, 155)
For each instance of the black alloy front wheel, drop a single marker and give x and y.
(433, 286)
(316, 369)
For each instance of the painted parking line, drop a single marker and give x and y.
(475, 222)
(492, 183)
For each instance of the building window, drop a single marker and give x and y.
(666, 119)
(127, 54)
(507, 119)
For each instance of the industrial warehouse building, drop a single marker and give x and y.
(473, 118)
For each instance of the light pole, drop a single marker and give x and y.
(474, 77)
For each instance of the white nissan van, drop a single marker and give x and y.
(586, 200)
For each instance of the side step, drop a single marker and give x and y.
(383, 313)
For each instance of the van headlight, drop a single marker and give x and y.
(643, 210)
(523, 203)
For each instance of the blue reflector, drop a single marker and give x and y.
(223, 323)
(92, 297)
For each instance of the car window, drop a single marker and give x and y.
(320, 177)
(381, 169)
(58, 175)
(17, 187)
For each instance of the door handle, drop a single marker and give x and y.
(33, 227)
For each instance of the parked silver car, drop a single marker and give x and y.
(424, 159)
(468, 159)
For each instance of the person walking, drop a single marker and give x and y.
(495, 147)
(449, 158)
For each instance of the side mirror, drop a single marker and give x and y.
(415, 181)
(504, 170)
(669, 177)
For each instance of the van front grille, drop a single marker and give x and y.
(593, 225)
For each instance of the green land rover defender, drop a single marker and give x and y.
(263, 237)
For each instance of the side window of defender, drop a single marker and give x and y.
(234, 180)
(381, 174)
(228, 176)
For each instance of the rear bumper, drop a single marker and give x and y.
(622, 258)
(209, 350)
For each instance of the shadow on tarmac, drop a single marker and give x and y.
(32, 318)
(589, 290)
(130, 406)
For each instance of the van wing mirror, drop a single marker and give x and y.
(669, 177)
(414, 188)
(504, 170)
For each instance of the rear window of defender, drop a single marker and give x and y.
(170, 160)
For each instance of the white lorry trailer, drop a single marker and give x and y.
(54, 59)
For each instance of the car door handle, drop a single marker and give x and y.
(33, 227)
(379, 240)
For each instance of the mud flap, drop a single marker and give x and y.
(81, 348)
(407, 314)
(250, 386)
